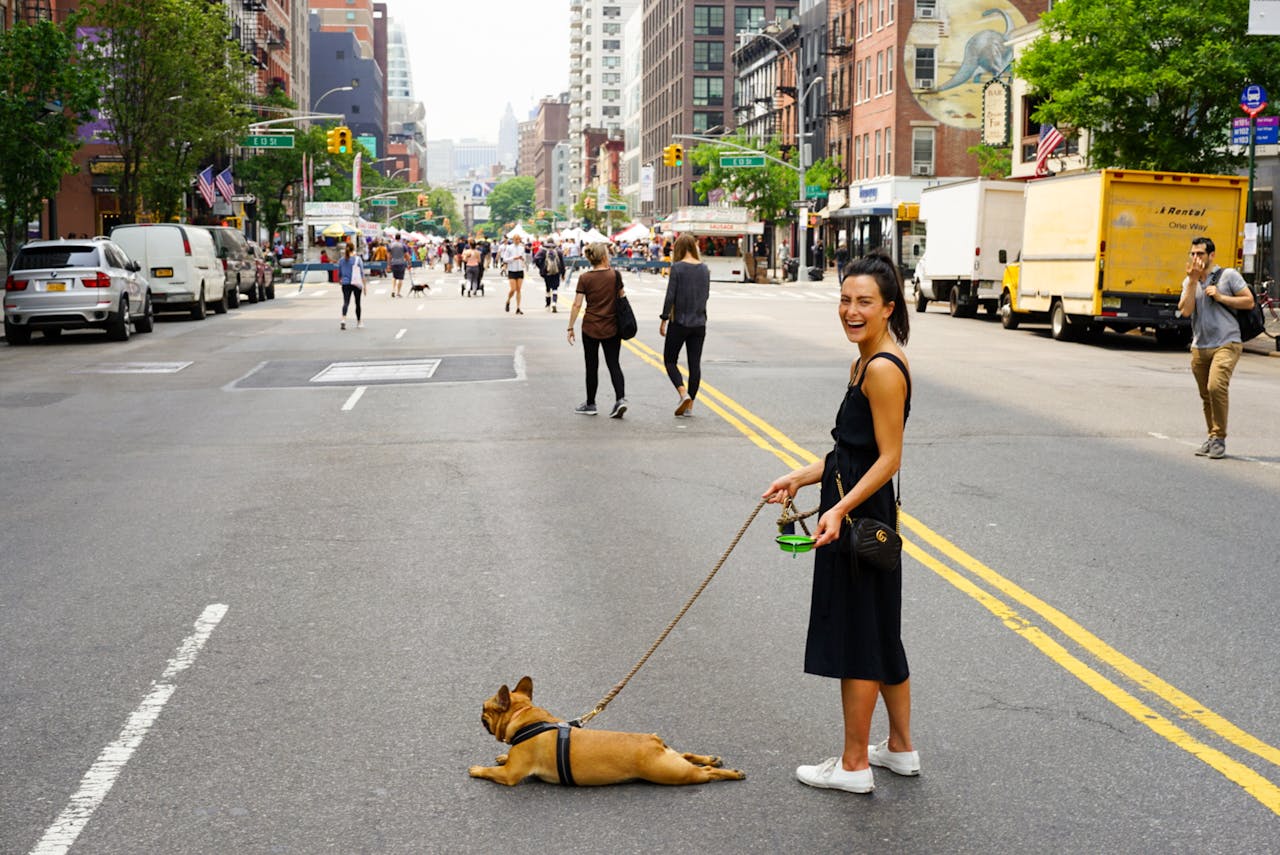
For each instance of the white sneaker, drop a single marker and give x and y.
(359, 325)
(898, 762)
(830, 775)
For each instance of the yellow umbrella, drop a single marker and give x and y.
(337, 230)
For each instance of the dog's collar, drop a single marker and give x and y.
(562, 745)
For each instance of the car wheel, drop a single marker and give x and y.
(220, 306)
(922, 301)
(253, 292)
(1058, 325)
(16, 335)
(1008, 319)
(199, 311)
(233, 296)
(147, 322)
(121, 327)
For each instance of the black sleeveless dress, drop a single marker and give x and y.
(855, 615)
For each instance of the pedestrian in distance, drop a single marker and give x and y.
(550, 263)
(471, 268)
(599, 289)
(398, 258)
(351, 275)
(513, 260)
(1210, 297)
(855, 612)
(684, 319)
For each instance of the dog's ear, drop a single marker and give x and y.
(525, 686)
(504, 698)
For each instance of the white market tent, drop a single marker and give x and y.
(519, 231)
(635, 231)
(594, 236)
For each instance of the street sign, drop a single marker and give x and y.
(1253, 100)
(390, 203)
(268, 141)
(738, 160)
(613, 207)
(1267, 131)
(800, 203)
(813, 191)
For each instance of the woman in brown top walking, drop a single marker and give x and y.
(599, 287)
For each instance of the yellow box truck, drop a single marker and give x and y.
(1109, 249)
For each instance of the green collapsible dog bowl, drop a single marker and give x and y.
(794, 543)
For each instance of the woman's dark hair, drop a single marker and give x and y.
(884, 271)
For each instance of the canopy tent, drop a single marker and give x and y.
(519, 231)
(635, 231)
(570, 234)
(593, 236)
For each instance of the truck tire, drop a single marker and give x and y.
(921, 300)
(1008, 319)
(953, 302)
(1060, 328)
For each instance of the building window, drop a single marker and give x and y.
(922, 151)
(924, 67)
(611, 112)
(879, 72)
(889, 70)
(927, 8)
(879, 164)
(708, 20)
(708, 56)
(611, 12)
(702, 122)
(611, 62)
(891, 4)
(857, 89)
(342, 54)
(857, 158)
(867, 96)
(866, 155)
(783, 13)
(748, 18)
(862, 31)
(888, 151)
(612, 29)
(708, 91)
(611, 44)
(611, 77)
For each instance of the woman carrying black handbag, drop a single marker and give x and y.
(600, 288)
(856, 609)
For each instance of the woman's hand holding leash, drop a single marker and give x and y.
(828, 528)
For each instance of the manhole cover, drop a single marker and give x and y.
(399, 370)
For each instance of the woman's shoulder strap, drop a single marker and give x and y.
(896, 361)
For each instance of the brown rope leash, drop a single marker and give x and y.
(613, 693)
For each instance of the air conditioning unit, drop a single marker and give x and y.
(924, 83)
(921, 169)
(926, 11)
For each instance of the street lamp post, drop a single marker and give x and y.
(802, 226)
(316, 104)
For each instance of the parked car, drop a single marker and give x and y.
(181, 263)
(265, 264)
(233, 250)
(70, 284)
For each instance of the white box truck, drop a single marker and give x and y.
(972, 230)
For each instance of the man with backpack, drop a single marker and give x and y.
(1210, 297)
(550, 264)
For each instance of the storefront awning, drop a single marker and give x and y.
(854, 211)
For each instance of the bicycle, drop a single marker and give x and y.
(1270, 303)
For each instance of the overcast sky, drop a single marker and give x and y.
(471, 58)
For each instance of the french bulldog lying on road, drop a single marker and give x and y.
(556, 753)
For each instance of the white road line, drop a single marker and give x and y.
(420, 308)
(318, 294)
(97, 782)
(354, 399)
(400, 334)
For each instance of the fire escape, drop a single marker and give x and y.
(31, 11)
(258, 36)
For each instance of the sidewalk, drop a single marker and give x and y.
(1263, 345)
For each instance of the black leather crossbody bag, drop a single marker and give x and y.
(874, 545)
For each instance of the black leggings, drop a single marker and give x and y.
(347, 292)
(591, 352)
(690, 338)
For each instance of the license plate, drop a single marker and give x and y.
(162, 272)
(1110, 302)
(55, 286)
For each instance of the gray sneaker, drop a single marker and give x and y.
(618, 409)
(1203, 450)
(1217, 449)
(586, 409)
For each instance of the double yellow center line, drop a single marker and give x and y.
(964, 572)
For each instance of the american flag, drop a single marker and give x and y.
(204, 183)
(1050, 138)
(226, 184)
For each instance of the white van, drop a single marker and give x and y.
(180, 262)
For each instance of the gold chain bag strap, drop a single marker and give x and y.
(875, 545)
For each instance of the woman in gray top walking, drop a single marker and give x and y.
(685, 309)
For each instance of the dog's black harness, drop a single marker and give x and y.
(562, 745)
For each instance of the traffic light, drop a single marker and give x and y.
(342, 136)
(422, 200)
(669, 155)
(678, 152)
(332, 138)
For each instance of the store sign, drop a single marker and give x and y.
(995, 113)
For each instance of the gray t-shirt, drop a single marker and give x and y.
(396, 252)
(1213, 324)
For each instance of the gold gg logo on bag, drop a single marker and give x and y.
(880, 536)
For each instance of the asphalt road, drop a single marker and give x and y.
(1089, 609)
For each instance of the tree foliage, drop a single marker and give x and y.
(993, 161)
(512, 200)
(768, 190)
(1155, 82)
(174, 97)
(44, 96)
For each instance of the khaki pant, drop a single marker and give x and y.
(1212, 367)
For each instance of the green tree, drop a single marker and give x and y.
(511, 201)
(44, 95)
(1155, 82)
(768, 190)
(174, 95)
(270, 175)
(993, 161)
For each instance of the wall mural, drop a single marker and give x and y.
(969, 49)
